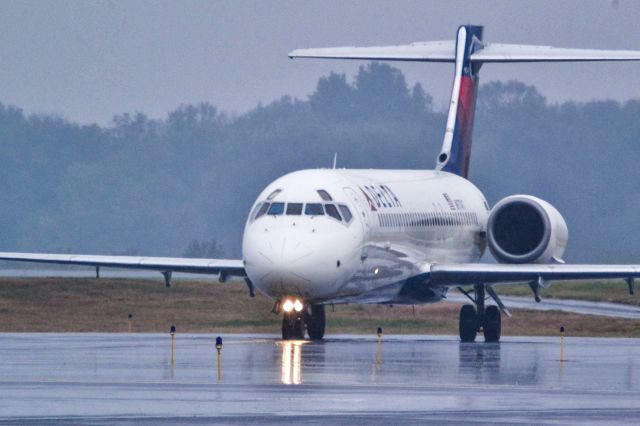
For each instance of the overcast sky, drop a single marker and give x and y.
(87, 61)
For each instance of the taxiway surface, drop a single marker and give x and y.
(128, 378)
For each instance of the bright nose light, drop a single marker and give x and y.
(288, 306)
(297, 305)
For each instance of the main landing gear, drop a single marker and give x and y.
(316, 322)
(299, 317)
(476, 318)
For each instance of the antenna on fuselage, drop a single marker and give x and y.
(335, 160)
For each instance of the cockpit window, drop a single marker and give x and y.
(276, 209)
(273, 194)
(255, 211)
(346, 213)
(313, 209)
(294, 209)
(324, 195)
(262, 210)
(332, 211)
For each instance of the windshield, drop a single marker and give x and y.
(338, 212)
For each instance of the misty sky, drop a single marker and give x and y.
(88, 61)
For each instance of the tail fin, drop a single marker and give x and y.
(468, 52)
(456, 147)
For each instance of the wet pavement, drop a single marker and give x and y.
(129, 379)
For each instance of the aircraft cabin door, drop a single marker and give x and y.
(361, 206)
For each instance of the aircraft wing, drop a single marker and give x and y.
(223, 267)
(470, 273)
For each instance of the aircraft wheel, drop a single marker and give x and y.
(468, 325)
(292, 326)
(491, 326)
(316, 322)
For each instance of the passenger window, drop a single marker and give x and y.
(276, 209)
(332, 211)
(313, 209)
(346, 213)
(294, 209)
(324, 195)
(263, 209)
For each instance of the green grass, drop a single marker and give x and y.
(90, 305)
(595, 291)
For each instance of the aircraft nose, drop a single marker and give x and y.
(283, 263)
(291, 263)
(289, 255)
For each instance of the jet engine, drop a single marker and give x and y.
(526, 229)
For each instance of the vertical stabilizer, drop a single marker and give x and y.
(456, 147)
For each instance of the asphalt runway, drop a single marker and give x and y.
(128, 379)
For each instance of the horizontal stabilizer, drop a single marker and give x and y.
(433, 51)
(493, 52)
(444, 51)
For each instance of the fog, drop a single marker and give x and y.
(172, 186)
(88, 61)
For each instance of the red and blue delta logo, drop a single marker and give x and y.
(379, 197)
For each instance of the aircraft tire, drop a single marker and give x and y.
(316, 322)
(468, 325)
(492, 326)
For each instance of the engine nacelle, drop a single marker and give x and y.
(526, 229)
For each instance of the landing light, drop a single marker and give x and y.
(287, 306)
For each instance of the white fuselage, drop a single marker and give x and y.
(402, 221)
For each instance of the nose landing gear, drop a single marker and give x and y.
(293, 325)
(298, 317)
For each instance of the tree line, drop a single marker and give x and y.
(184, 184)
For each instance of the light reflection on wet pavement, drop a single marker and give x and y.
(127, 378)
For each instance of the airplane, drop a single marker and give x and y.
(336, 236)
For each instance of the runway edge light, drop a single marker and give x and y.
(172, 332)
(561, 343)
(219, 349)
